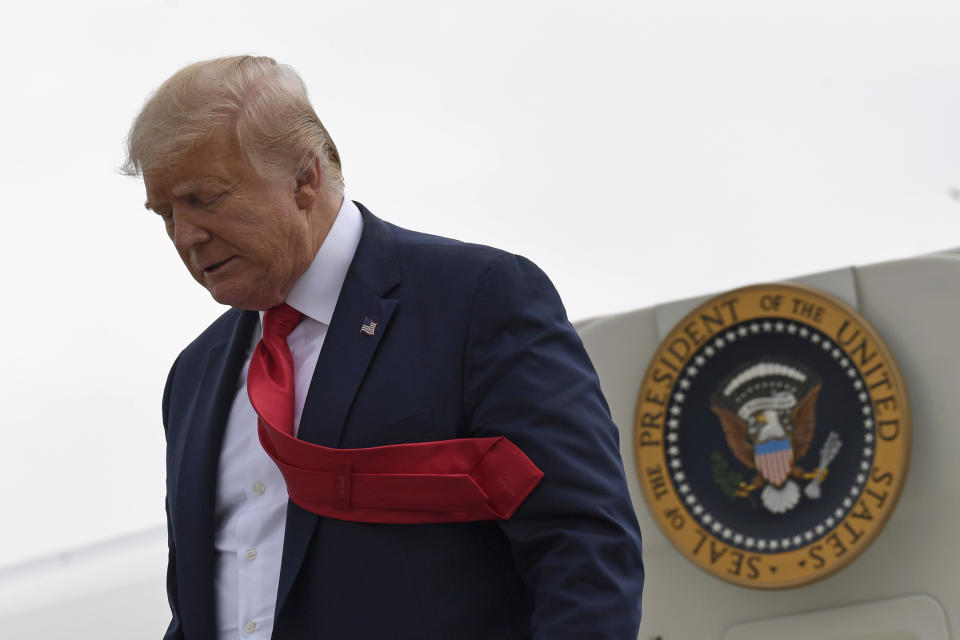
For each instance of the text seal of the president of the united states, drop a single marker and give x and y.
(772, 435)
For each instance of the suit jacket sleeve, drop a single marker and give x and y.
(575, 540)
(174, 631)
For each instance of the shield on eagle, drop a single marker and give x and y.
(774, 460)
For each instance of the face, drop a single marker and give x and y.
(243, 237)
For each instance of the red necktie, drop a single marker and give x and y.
(445, 481)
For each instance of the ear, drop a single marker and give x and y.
(309, 182)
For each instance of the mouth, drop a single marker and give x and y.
(216, 266)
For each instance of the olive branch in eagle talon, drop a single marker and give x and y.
(730, 482)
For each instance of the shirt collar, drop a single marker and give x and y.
(315, 293)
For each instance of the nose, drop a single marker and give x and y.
(186, 229)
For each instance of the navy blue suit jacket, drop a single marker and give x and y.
(470, 342)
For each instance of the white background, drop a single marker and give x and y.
(638, 151)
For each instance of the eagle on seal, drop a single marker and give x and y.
(768, 413)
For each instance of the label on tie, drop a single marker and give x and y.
(341, 484)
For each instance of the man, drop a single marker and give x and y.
(395, 338)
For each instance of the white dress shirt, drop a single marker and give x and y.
(251, 501)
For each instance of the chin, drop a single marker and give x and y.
(244, 299)
(232, 297)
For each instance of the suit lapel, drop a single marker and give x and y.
(344, 359)
(197, 476)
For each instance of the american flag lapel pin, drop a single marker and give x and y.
(368, 327)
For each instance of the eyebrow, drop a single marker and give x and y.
(186, 187)
(190, 186)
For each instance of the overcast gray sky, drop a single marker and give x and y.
(639, 152)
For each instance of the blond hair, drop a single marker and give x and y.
(264, 103)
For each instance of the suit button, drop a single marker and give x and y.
(251, 554)
(250, 627)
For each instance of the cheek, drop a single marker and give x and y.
(284, 242)
(196, 275)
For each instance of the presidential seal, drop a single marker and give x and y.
(772, 435)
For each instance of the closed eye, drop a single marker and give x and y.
(207, 202)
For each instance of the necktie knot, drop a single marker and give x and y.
(280, 321)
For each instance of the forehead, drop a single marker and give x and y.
(218, 160)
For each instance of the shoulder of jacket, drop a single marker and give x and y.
(220, 330)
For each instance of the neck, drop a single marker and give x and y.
(324, 216)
